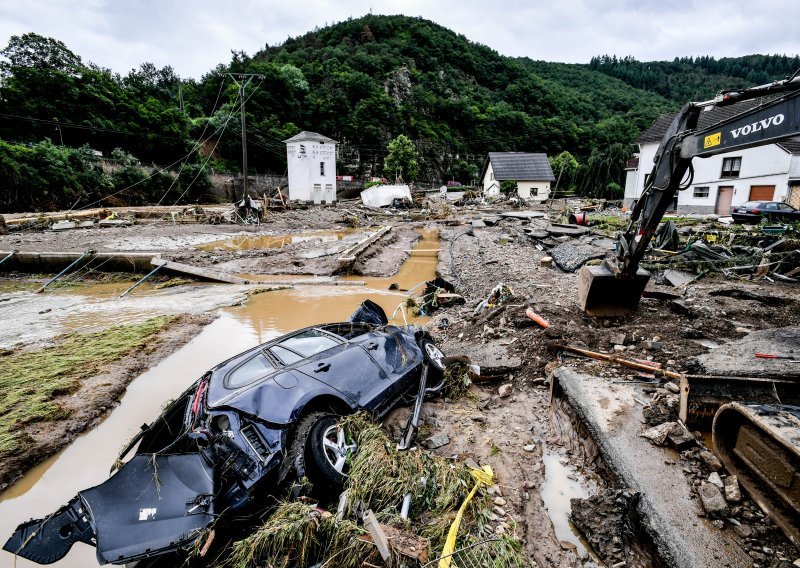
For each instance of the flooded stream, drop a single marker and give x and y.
(86, 462)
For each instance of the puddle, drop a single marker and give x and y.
(258, 242)
(561, 485)
(86, 461)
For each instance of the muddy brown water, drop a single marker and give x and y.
(256, 242)
(86, 462)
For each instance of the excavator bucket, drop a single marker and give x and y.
(604, 294)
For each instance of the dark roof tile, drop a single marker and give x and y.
(521, 166)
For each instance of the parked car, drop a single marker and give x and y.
(754, 211)
(247, 429)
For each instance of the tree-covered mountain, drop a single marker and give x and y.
(362, 82)
(687, 79)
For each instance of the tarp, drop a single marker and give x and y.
(382, 195)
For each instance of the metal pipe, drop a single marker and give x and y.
(60, 274)
(149, 274)
(9, 255)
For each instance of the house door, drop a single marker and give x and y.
(762, 192)
(724, 198)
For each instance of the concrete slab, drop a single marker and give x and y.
(738, 357)
(666, 506)
(570, 256)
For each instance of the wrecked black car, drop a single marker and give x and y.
(252, 426)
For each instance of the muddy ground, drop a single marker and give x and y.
(511, 432)
(95, 397)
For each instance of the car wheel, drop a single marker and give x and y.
(433, 355)
(328, 450)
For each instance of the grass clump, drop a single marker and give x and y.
(31, 380)
(299, 534)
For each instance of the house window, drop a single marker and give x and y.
(731, 167)
(534, 191)
(322, 169)
(701, 192)
(491, 176)
(302, 152)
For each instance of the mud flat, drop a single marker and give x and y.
(92, 396)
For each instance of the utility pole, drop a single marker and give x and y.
(242, 80)
(58, 127)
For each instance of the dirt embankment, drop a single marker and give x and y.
(95, 397)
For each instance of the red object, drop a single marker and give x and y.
(754, 211)
(197, 396)
(770, 356)
(537, 318)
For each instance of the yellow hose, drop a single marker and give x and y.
(483, 476)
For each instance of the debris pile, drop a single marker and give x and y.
(380, 482)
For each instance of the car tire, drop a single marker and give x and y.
(433, 355)
(326, 455)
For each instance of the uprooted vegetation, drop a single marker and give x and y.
(30, 381)
(301, 534)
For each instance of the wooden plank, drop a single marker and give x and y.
(350, 255)
(197, 272)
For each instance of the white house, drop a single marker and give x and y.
(767, 173)
(311, 161)
(531, 172)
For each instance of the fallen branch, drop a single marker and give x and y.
(620, 361)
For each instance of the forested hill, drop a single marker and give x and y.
(362, 82)
(696, 78)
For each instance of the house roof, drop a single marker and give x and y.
(707, 118)
(306, 136)
(520, 166)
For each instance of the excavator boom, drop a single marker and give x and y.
(615, 287)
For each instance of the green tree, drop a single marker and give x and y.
(401, 161)
(565, 167)
(508, 187)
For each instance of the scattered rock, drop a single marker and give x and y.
(716, 480)
(529, 448)
(743, 531)
(732, 492)
(679, 437)
(658, 434)
(711, 461)
(713, 502)
(499, 501)
(654, 346)
(617, 339)
(437, 441)
(672, 387)
(505, 391)
(546, 261)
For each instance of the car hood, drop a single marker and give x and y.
(152, 505)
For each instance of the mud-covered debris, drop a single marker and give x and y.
(713, 502)
(569, 256)
(604, 520)
(716, 479)
(661, 409)
(733, 494)
(658, 434)
(710, 460)
(437, 441)
(505, 391)
(678, 278)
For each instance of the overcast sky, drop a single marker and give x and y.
(195, 35)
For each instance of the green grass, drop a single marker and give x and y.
(299, 534)
(31, 380)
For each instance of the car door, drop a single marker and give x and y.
(342, 365)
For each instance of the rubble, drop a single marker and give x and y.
(712, 500)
